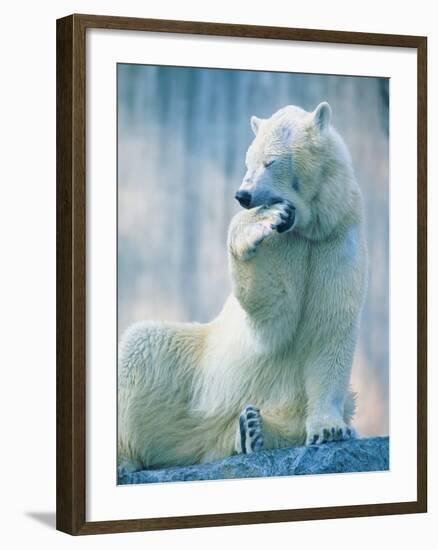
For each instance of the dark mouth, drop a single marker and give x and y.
(273, 200)
(248, 202)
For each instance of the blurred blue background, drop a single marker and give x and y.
(182, 138)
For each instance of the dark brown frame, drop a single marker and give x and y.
(71, 266)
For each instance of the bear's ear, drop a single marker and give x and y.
(255, 124)
(322, 115)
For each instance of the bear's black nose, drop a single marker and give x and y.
(244, 198)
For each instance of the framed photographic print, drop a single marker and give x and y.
(241, 274)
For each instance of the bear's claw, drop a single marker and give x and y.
(320, 435)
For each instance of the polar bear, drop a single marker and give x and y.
(273, 369)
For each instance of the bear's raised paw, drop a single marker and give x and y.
(286, 217)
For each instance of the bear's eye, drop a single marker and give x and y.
(268, 163)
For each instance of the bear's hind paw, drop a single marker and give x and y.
(249, 436)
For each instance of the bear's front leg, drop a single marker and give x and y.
(251, 227)
(327, 386)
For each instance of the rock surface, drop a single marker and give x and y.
(358, 455)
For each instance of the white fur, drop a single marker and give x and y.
(284, 340)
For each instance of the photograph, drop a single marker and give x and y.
(253, 262)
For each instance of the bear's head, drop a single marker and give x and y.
(297, 156)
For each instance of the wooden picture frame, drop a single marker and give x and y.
(71, 273)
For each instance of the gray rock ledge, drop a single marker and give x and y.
(357, 455)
